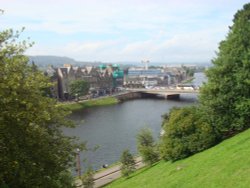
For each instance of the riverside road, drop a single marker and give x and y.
(110, 174)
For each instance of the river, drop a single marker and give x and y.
(114, 128)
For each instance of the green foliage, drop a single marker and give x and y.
(189, 81)
(66, 180)
(189, 71)
(226, 94)
(128, 163)
(88, 178)
(33, 150)
(79, 88)
(147, 147)
(186, 133)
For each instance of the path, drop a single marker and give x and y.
(110, 174)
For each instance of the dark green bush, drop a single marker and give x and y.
(128, 163)
(88, 178)
(186, 133)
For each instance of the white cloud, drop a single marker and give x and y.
(159, 30)
(196, 46)
(102, 16)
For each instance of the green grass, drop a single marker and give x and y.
(89, 104)
(188, 81)
(225, 165)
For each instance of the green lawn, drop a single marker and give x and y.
(90, 103)
(223, 166)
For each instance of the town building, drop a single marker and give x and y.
(105, 78)
(147, 77)
(102, 79)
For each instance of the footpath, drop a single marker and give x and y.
(110, 174)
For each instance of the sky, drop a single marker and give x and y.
(122, 30)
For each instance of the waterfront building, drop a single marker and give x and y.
(142, 77)
(102, 79)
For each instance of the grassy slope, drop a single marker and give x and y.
(225, 165)
(90, 103)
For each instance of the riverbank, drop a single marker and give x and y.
(80, 105)
(188, 81)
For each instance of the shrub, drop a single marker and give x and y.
(147, 147)
(128, 163)
(88, 179)
(186, 133)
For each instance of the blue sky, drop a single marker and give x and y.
(118, 31)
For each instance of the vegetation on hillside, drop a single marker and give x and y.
(226, 95)
(225, 165)
(186, 133)
(128, 163)
(33, 150)
(147, 147)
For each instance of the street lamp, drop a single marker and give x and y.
(78, 162)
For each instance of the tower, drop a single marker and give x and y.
(145, 62)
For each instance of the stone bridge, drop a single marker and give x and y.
(160, 91)
(153, 93)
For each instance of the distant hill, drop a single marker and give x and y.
(43, 61)
(225, 165)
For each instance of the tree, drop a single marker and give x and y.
(226, 95)
(88, 178)
(189, 71)
(66, 180)
(186, 133)
(128, 163)
(147, 147)
(79, 88)
(33, 150)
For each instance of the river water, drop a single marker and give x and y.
(114, 128)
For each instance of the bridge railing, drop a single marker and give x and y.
(164, 90)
